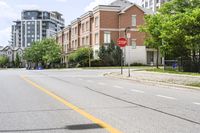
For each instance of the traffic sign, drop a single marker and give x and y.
(122, 42)
(128, 35)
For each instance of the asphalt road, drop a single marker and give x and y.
(84, 101)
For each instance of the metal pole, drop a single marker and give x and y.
(122, 62)
(129, 71)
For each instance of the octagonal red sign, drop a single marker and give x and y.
(122, 42)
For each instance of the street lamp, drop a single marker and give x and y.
(128, 36)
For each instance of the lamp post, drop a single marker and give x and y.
(128, 36)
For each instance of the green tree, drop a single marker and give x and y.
(3, 61)
(45, 52)
(153, 28)
(110, 54)
(17, 61)
(81, 57)
(175, 28)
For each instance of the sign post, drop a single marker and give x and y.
(129, 57)
(122, 42)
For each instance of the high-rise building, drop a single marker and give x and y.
(153, 4)
(35, 25)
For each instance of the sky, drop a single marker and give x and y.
(10, 10)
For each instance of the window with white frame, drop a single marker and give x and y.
(87, 26)
(133, 43)
(83, 41)
(133, 20)
(87, 40)
(96, 38)
(83, 28)
(76, 44)
(107, 37)
(73, 45)
(96, 21)
(76, 30)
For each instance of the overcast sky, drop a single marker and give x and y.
(10, 10)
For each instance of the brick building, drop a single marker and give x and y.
(106, 23)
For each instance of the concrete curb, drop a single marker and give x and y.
(151, 82)
(180, 75)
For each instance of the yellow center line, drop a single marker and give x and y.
(101, 123)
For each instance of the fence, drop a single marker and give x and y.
(183, 64)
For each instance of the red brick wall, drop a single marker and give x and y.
(126, 19)
(109, 19)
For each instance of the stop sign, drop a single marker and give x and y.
(122, 42)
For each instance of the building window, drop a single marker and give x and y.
(107, 37)
(96, 38)
(96, 21)
(133, 20)
(83, 41)
(76, 30)
(87, 40)
(76, 44)
(133, 43)
(146, 4)
(9, 52)
(87, 26)
(72, 44)
(83, 28)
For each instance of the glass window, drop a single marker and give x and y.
(133, 20)
(146, 4)
(96, 38)
(133, 43)
(107, 37)
(87, 26)
(76, 30)
(83, 41)
(87, 40)
(83, 28)
(96, 21)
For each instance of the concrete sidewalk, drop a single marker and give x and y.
(176, 80)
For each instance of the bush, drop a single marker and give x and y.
(137, 64)
(110, 54)
(3, 61)
(97, 63)
(80, 58)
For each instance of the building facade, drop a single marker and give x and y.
(154, 5)
(106, 23)
(11, 53)
(35, 25)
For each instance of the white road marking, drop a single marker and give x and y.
(196, 103)
(167, 97)
(119, 87)
(80, 79)
(100, 83)
(90, 81)
(138, 91)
